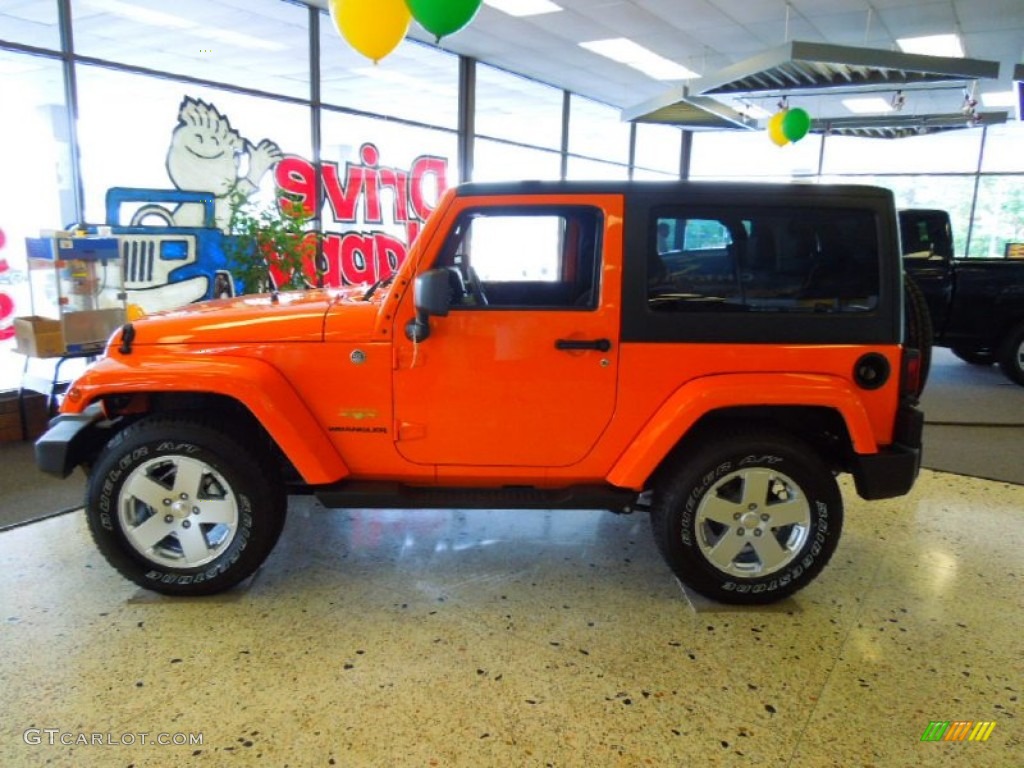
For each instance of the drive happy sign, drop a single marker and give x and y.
(372, 194)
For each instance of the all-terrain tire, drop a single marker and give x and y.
(747, 517)
(179, 506)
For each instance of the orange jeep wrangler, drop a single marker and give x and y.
(714, 354)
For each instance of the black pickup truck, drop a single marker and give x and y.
(976, 305)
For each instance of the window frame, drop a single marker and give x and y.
(591, 217)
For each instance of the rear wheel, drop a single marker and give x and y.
(1011, 358)
(747, 518)
(179, 507)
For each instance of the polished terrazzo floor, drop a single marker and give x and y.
(486, 638)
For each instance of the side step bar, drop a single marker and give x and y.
(365, 495)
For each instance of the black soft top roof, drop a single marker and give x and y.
(670, 189)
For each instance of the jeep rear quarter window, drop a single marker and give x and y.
(765, 260)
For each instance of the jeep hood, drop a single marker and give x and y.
(294, 316)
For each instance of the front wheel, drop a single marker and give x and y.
(180, 507)
(747, 518)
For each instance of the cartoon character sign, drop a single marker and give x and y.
(176, 246)
(206, 156)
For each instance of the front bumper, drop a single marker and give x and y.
(893, 470)
(68, 441)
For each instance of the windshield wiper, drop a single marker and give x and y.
(379, 284)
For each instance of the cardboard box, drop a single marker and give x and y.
(10, 419)
(38, 336)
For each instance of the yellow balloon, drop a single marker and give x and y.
(775, 132)
(372, 27)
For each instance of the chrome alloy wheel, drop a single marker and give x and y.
(753, 522)
(178, 512)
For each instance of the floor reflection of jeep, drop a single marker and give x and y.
(713, 355)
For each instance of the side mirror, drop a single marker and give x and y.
(432, 292)
(431, 296)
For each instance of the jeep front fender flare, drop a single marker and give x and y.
(700, 397)
(253, 383)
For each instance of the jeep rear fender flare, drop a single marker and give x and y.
(697, 398)
(256, 385)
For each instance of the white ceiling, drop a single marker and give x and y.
(708, 35)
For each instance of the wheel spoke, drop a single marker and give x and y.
(724, 552)
(792, 512)
(720, 510)
(193, 543)
(188, 477)
(769, 552)
(216, 511)
(755, 486)
(149, 533)
(147, 490)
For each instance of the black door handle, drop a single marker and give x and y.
(601, 345)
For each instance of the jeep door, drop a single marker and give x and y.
(522, 371)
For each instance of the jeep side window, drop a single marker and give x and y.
(532, 258)
(764, 260)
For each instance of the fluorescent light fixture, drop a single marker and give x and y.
(869, 105)
(999, 99)
(933, 45)
(523, 7)
(631, 54)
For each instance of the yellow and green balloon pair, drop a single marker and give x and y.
(789, 125)
(376, 27)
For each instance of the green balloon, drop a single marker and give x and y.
(443, 17)
(796, 124)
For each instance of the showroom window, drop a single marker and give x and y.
(415, 82)
(517, 109)
(657, 152)
(29, 22)
(38, 189)
(498, 161)
(948, 152)
(264, 46)
(542, 258)
(998, 230)
(381, 180)
(146, 142)
(596, 131)
(584, 169)
(751, 155)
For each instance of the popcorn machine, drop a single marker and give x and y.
(77, 293)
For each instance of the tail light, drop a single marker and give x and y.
(910, 376)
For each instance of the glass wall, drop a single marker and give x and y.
(657, 151)
(751, 156)
(29, 22)
(596, 131)
(38, 182)
(265, 48)
(516, 109)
